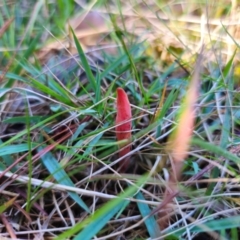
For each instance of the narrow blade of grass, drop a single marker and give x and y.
(22, 133)
(97, 224)
(91, 145)
(117, 62)
(150, 222)
(27, 54)
(215, 149)
(94, 223)
(164, 108)
(7, 160)
(33, 119)
(7, 204)
(85, 64)
(227, 120)
(15, 148)
(64, 98)
(61, 176)
(214, 225)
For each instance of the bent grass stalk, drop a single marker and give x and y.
(179, 141)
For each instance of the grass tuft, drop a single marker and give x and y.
(61, 63)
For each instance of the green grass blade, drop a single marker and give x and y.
(117, 62)
(15, 148)
(7, 160)
(30, 163)
(78, 131)
(7, 204)
(15, 77)
(215, 149)
(61, 176)
(234, 233)
(42, 87)
(98, 91)
(227, 120)
(31, 48)
(26, 55)
(227, 69)
(33, 119)
(92, 144)
(150, 222)
(214, 225)
(119, 34)
(22, 133)
(85, 64)
(94, 223)
(172, 96)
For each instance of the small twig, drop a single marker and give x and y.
(8, 226)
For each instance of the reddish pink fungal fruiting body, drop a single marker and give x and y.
(123, 131)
